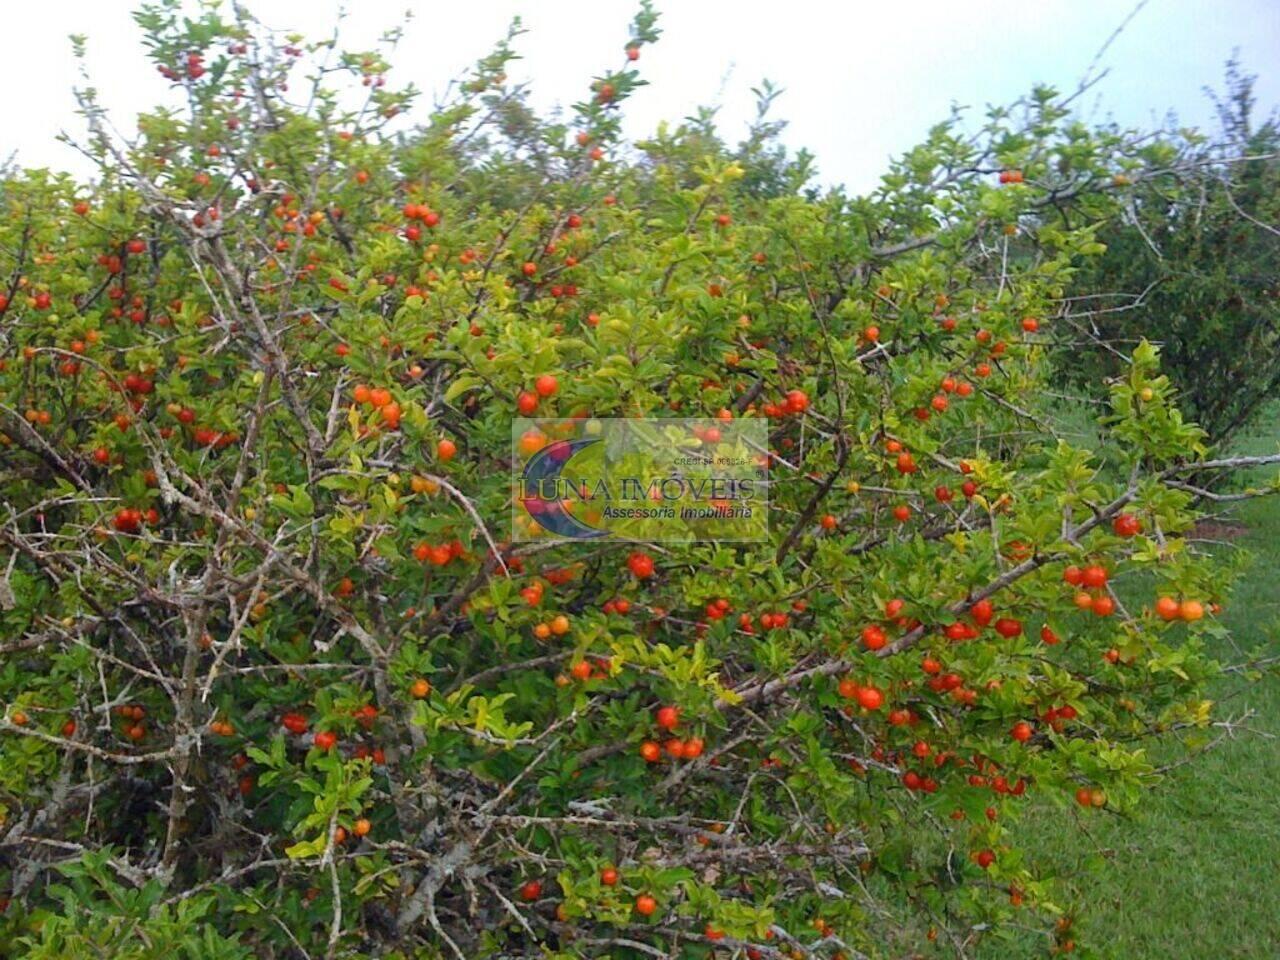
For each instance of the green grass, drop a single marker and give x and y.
(1194, 872)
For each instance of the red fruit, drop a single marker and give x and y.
(797, 401)
(651, 752)
(1167, 608)
(136, 246)
(931, 666)
(1191, 610)
(693, 748)
(294, 722)
(667, 717)
(633, 53)
(1048, 636)
(531, 891)
(969, 488)
(902, 513)
(1073, 575)
(1126, 525)
(982, 612)
(546, 385)
(326, 739)
(1093, 577)
(985, 858)
(645, 905)
(848, 689)
(529, 269)
(446, 449)
(1103, 606)
(869, 698)
(1021, 731)
(582, 671)
(641, 565)
(609, 876)
(128, 521)
(873, 637)
(527, 402)
(1084, 797)
(1008, 627)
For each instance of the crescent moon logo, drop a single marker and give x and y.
(547, 464)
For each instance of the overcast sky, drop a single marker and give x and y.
(864, 79)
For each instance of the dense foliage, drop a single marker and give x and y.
(275, 684)
(1191, 265)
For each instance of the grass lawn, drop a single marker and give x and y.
(1196, 873)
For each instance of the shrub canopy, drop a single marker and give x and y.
(277, 684)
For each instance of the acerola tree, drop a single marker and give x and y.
(276, 684)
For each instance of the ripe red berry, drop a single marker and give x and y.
(1094, 577)
(1008, 627)
(645, 905)
(982, 612)
(1021, 731)
(797, 401)
(609, 876)
(546, 385)
(870, 698)
(1126, 525)
(641, 565)
(326, 739)
(531, 891)
(873, 637)
(667, 717)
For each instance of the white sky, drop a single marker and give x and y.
(864, 79)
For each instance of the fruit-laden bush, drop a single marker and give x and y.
(1192, 268)
(278, 684)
